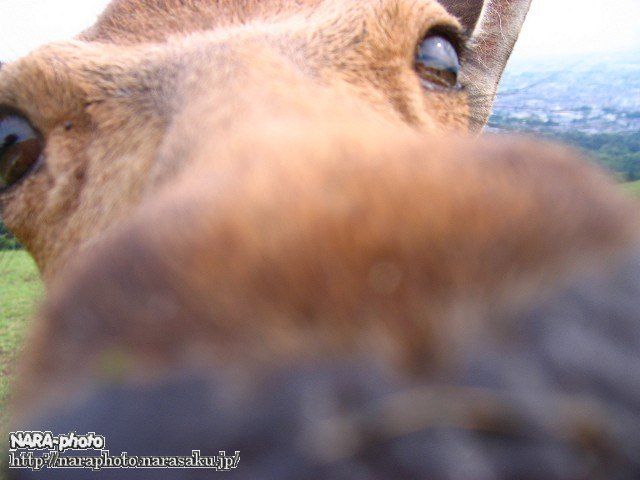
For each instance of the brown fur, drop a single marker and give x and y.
(274, 172)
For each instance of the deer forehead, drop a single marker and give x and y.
(134, 21)
(361, 42)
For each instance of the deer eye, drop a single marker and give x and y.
(437, 62)
(20, 148)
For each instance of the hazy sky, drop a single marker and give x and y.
(554, 27)
(566, 27)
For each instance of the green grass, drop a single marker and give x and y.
(633, 187)
(20, 290)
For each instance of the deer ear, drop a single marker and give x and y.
(467, 11)
(494, 26)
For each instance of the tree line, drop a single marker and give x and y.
(618, 152)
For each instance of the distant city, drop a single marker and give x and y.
(589, 102)
(593, 95)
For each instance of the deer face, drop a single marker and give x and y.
(264, 203)
(129, 107)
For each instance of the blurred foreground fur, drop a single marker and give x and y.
(273, 239)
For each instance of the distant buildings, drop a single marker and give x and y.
(588, 95)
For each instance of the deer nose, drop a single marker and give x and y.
(348, 419)
(271, 428)
(258, 282)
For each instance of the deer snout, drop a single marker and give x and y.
(400, 266)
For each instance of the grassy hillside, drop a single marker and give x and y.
(20, 289)
(633, 187)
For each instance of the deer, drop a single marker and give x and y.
(274, 227)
